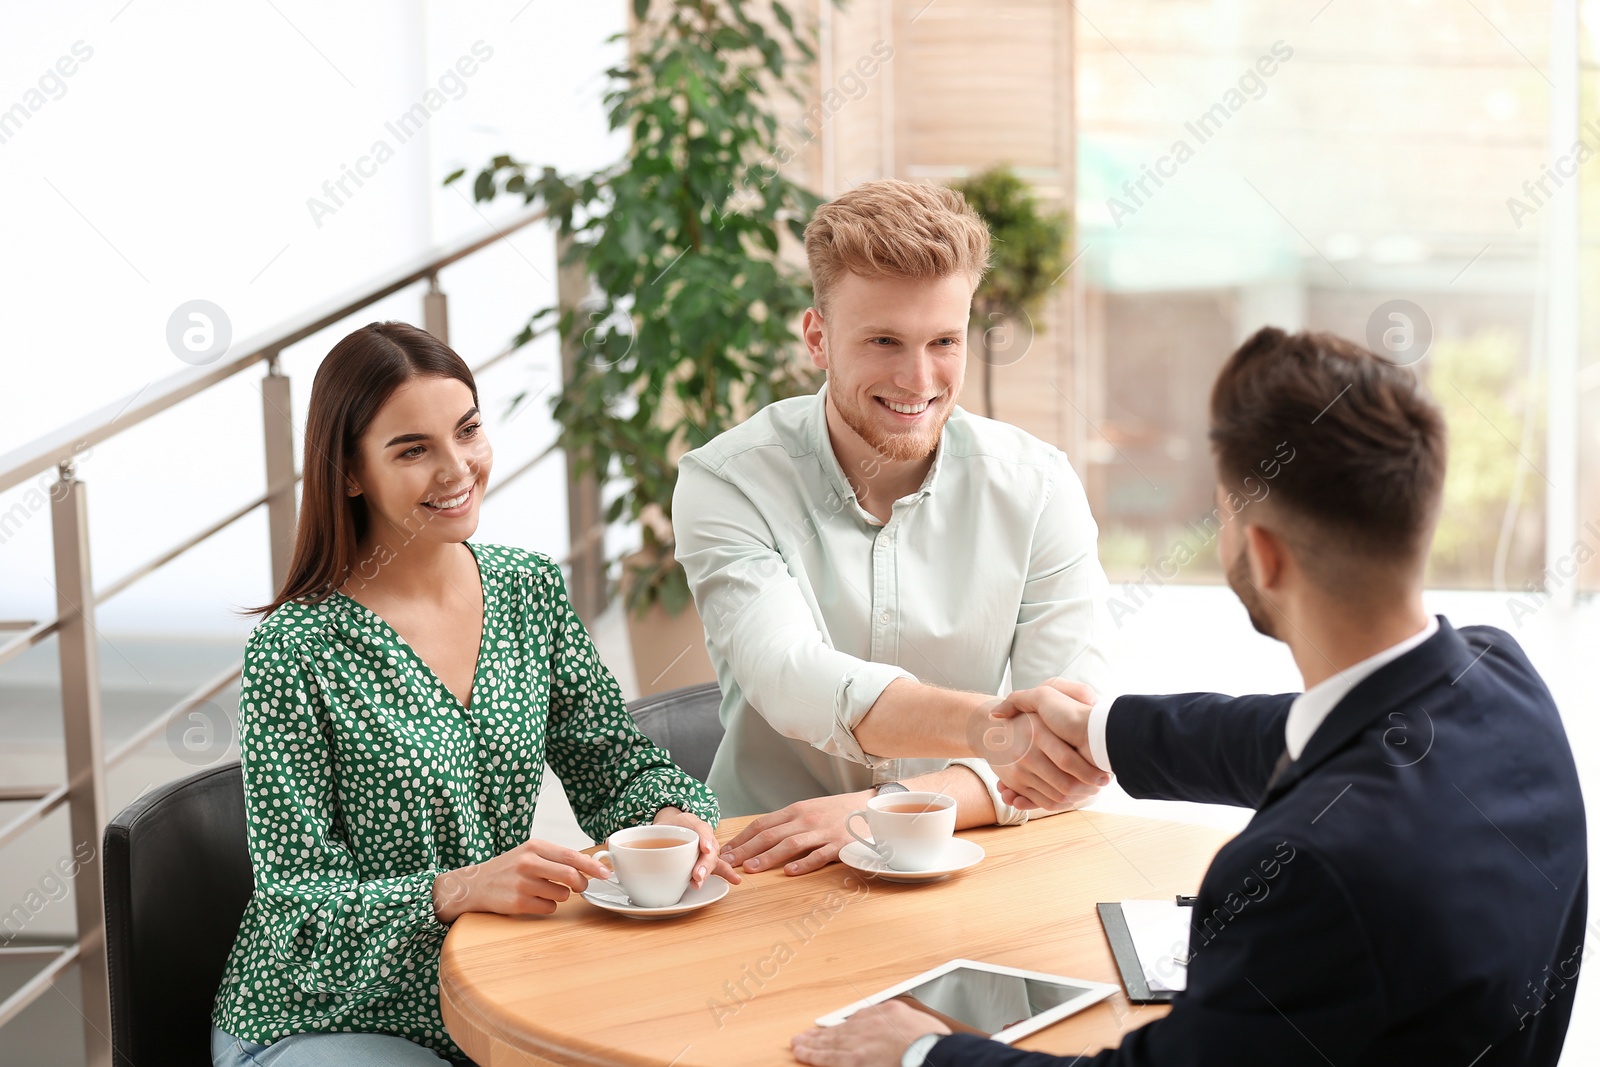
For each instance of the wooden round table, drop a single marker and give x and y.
(728, 985)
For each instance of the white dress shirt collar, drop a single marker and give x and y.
(1314, 705)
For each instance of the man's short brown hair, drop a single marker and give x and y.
(898, 229)
(1369, 447)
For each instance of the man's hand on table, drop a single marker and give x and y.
(803, 837)
(873, 1037)
(1044, 763)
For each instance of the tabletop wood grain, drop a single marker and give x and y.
(727, 986)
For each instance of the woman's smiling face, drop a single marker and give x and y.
(423, 463)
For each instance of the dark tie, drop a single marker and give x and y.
(1278, 769)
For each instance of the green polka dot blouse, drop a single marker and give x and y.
(364, 779)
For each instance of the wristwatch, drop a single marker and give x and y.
(888, 787)
(917, 1054)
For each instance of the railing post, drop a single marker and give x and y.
(86, 784)
(436, 311)
(277, 417)
(588, 584)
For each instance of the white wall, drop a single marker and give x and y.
(176, 162)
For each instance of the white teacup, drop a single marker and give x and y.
(911, 830)
(652, 863)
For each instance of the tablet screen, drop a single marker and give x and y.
(985, 1002)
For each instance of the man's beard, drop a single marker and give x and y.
(1255, 605)
(898, 447)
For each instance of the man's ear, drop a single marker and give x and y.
(812, 328)
(1267, 554)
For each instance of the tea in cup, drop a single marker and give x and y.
(653, 864)
(911, 831)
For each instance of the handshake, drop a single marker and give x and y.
(1037, 741)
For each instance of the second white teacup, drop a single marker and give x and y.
(652, 863)
(911, 830)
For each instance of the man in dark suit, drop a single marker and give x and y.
(1413, 886)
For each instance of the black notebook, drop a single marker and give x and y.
(1120, 938)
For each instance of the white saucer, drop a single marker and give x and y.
(959, 854)
(610, 896)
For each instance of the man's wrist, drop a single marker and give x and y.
(1004, 814)
(917, 1054)
(1098, 753)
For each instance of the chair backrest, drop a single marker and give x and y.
(686, 722)
(177, 878)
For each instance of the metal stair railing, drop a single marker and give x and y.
(87, 764)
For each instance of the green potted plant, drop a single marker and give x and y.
(1030, 249)
(694, 323)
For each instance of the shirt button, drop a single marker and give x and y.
(884, 618)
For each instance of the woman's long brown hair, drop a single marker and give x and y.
(354, 382)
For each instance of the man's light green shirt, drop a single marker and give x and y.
(812, 608)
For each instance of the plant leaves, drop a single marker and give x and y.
(690, 328)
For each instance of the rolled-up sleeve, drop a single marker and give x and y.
(1004, 814)
(758, 621)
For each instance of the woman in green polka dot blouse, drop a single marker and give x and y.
(399, 703)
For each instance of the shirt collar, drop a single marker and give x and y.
(938, 457)
(1314, 705)
(824, 449)
(830, 462)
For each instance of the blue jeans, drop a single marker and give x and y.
(316, 1050)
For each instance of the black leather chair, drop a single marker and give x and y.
(686, 722)
(177, 879)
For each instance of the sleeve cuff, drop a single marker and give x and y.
(1004, 814)
(432, 925)
(657, 788)
(1097, 734)
(952, 1050)
(858, 691)
(347, 956)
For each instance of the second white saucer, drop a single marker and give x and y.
(959, 854)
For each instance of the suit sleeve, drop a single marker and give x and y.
(1201, 747)
(1255, 997)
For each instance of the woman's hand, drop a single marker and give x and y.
(711, 861)
(530, 879)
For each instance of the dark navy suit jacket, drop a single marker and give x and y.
(1411, 890)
